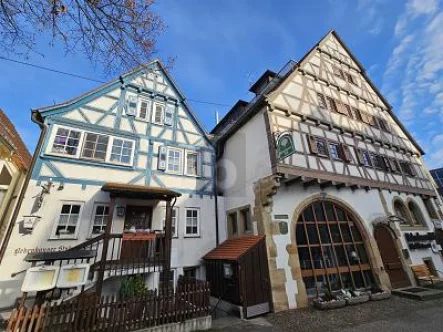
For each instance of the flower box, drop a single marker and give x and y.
(380, 296)
(357, 300)
(328, 305)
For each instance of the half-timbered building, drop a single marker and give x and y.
(320, 164)
(124, 175)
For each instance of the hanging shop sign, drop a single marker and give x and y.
(40, 278)
(419, 241)
(285, 145)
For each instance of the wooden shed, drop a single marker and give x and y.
(238, 273)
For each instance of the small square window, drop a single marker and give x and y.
(95, 147)
(174, 160)
(335, 151)
(66, 141)
(68, 220)
(322, 147)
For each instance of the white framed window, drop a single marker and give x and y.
(192, 224)
(144, 109)
(121, 151)
(158, 113)
(95, 146)
(68, 219)
(99, 218)
(174, 164)
(174, 218)
(66, 141)
(192, 163)
(92, 146)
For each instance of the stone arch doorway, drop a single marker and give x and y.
(391, 257)
(332, 249)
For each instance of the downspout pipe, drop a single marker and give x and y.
(36, 118)
(218, 154)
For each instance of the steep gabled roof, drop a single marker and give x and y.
(254, 107)
(10, 135)
(44, 110)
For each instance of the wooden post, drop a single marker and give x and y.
(101, 271)
(168, 243)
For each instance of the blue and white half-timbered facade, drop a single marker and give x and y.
(136, 130)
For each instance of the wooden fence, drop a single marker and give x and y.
(91, 313)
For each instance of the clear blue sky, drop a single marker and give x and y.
(223, 46)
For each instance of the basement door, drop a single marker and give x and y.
(391, 258)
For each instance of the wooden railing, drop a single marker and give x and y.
(92, 313)
(124, 255)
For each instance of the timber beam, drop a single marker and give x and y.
(326, 184)
(307, 182)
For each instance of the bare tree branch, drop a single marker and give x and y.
(119, 34)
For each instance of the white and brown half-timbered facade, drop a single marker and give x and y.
(332, 178)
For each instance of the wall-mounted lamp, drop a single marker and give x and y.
(120, 211)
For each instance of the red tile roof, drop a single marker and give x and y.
(233, 249)
(11, 136)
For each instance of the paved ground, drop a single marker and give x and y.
(396, 314)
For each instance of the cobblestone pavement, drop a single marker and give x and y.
(396, 314)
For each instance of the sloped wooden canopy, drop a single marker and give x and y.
(141, 192)
(233, 249)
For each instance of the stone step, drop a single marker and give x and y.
(419, 293)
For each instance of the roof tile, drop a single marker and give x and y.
(233, 249)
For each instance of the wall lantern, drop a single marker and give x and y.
(120, 211)
(30, 221)
(227, 271)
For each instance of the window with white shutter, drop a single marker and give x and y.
(169, 115)
(131, 105)
(161, 164)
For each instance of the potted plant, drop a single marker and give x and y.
(357, 297)
(130, 288)
(378, 294)
(329, 301)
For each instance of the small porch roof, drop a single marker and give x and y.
(233, 249)
(141, 192)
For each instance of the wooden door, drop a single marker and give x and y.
(391, 258)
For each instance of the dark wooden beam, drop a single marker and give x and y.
(355, 186)
(310, 182)
(101, 271)
(326, 184)
(292, 180)
(340, 185)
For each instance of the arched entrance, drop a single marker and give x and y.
(331, 249)
(391, 257)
